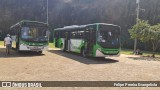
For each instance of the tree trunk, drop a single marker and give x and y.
(153, 53)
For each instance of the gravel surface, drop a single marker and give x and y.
(54, 65)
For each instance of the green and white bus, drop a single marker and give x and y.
(95, 40)
(30, 36)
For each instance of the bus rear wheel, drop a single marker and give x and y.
(62, 48)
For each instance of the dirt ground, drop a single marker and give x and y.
(54, 65)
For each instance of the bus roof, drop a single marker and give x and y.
(23, 21)
(27, 21)
(83, 26)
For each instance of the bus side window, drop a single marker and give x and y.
(13, 32)
(59, 34)
(72, 34)
(76, 34)
(56, 34)
(86, 35)
(63, 34)
(81, 34)
(94, 36)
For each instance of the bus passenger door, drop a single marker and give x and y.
(67, 41)
(90, 40)
(56, 36)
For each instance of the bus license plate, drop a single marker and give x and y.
(35, 48)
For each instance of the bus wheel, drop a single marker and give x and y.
(62, 48)
(83, 52)
(39, 52)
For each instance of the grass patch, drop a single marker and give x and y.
(127, 51)
(145, 53)
(1, 43)
(51, 45)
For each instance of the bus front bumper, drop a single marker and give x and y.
(100, 54)
(33, 48)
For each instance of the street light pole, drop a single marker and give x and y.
(47, 11)
(48, 32)
(135, 40)
(138, 10)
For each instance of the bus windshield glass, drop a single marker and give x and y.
(108, 36)
(34, 34)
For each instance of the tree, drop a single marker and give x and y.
(146, 33)
(137, 30)
(152, 35)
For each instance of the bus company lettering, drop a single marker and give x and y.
(34, 85)
(14, 84)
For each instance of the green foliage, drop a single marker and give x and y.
(151, 34)
(138, 30)
(146, 33)
(155, 33)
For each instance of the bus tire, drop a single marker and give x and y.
(83, 52)
(39, 52)
(62, 48)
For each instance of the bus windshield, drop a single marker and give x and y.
(108, 36)
(34, 34)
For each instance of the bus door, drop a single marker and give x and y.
(67, 41)
(90, 39)
(18, 32)
(87, 40)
